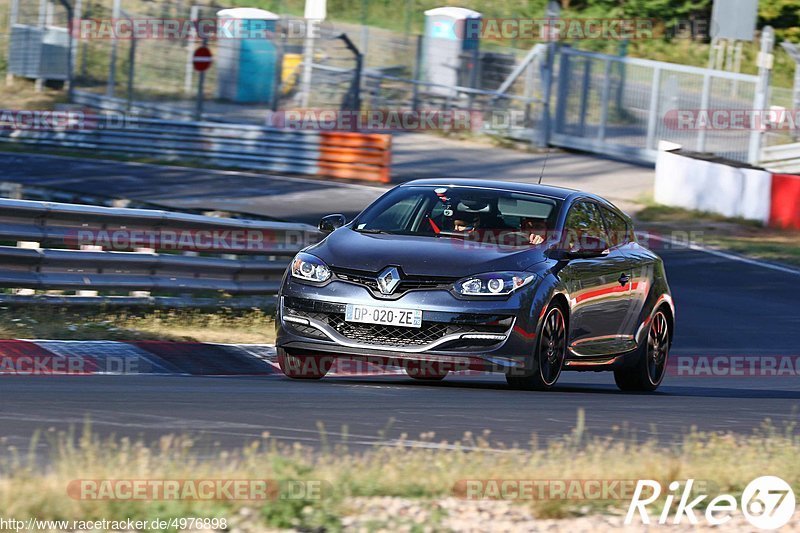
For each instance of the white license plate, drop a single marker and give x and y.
(389, 316)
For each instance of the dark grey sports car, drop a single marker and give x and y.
(446, 275)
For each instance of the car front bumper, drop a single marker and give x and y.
(490, 334)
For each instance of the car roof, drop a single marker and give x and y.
(561, 193)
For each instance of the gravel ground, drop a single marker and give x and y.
(453, 514)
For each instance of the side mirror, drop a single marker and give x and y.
(586, 250)
(585, 253)
(330, 223)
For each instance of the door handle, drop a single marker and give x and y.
(624, 279)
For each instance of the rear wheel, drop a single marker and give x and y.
(551, 351)
(651, 361)
(304, 366)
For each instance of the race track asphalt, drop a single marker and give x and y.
(725, 308)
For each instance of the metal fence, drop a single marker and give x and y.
(625, 106)
(135, 255)
(547, 95)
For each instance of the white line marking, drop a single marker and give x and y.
(727, 255)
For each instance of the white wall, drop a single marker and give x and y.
(704, 186)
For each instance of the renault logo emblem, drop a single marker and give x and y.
(388, 280)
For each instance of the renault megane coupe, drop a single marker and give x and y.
(442, 275)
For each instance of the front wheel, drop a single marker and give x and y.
(550, 354)
(305, 366)
(651, 360)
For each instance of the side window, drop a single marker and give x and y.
(585, 227)
(617, 227)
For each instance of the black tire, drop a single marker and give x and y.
(551, 351)
(647, 373)
(304, 366)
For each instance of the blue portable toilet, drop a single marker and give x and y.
(451, 35)
(247, 55)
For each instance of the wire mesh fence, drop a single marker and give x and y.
(596, 102)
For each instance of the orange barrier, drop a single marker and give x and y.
(785, 208)
(356, 156)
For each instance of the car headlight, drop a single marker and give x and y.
(310, 268)
(493, 283)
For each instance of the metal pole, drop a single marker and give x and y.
(761, 98)
(201, 82)
(12, 20)
(416, 75)
(604, 98)
(70, 18)
(705, 98)
(587, 78)
(131, 71)
(14, 13)
(194, 15)
(356, 86)
(308, 58)
(112, 67)
(623, 53)
(652, 114)
(280, 50)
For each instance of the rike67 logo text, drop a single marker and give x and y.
(767, 502)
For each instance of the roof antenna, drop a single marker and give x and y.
(544, 164)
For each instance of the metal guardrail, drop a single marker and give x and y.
(781, 158)
(346, 155)
(69, 247)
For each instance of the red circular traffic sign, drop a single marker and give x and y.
(202, 59)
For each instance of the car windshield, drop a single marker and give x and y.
(466, 212)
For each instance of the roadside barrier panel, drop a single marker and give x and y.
(785, 209)
(684, 180)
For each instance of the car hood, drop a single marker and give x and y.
(421, 256)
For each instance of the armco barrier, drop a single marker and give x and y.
(68, 247)
(358, 156)
(715, 187)
(785, 208)
(348, 155)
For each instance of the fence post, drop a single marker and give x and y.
(201, 85)
(561, 96)
(416, 75)
(652, 114)
(606, 95)
(761, 97)
(112, 66)
(587, 78)
(194, 16)
(70, 46)
(704, 100)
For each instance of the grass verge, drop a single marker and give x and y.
(30, 487)
(112, 323)
(741, 236)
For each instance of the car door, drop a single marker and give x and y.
(598, 287)
(620, 241)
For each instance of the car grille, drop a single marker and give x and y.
(332, 315)
(407, 283)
